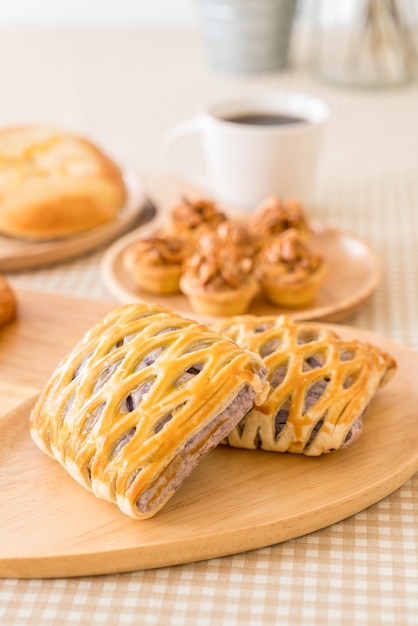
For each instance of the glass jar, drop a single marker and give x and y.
(367, 43)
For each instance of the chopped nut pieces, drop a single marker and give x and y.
(289, 273)
(160, 248)
(274, 216)
(288, 254)
(236, 234)
(155, 260)
(191, 214)
(217, 263)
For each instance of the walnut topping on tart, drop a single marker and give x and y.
(236, 234)
(159, 248)
(217, 263)
(191, 214)
(217, 277)
(274, 216)
(288, 254)
(154, 261)
(289, 273)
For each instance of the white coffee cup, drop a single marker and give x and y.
(245, 162)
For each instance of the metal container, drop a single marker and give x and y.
(247, 35)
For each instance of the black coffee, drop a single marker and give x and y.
(265, 119)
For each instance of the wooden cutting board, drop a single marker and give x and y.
(234, 501)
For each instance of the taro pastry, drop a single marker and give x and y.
(321, 385)
(140, 400)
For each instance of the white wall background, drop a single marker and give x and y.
(142, 12)
(147, 12)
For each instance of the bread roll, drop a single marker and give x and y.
(8, 302)
(144, 395)
(54, 183)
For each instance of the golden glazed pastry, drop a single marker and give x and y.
(8, 302)
(154, 261)
(321, 385)
(289, 273)
(136, 404)
(54, 183)
(217, 277)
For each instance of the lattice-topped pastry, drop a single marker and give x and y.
(142, 397)
(320, 385)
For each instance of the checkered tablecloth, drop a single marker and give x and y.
(125, 89)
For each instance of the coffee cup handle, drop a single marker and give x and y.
(167, 151)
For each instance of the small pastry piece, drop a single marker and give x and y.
(289, 273)
(191, 215)
(217, 277)
(142, 397)
(321, 385)
(274, 216)
(8, 302)
(54, 183)
(154, 261)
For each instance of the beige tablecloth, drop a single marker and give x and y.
(125, 88)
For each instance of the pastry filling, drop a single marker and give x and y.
(197, 446)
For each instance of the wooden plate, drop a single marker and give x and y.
(355, 272)
(18, 254)
(235, 500)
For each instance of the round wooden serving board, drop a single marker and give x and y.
(235, 500)
(19, 254)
